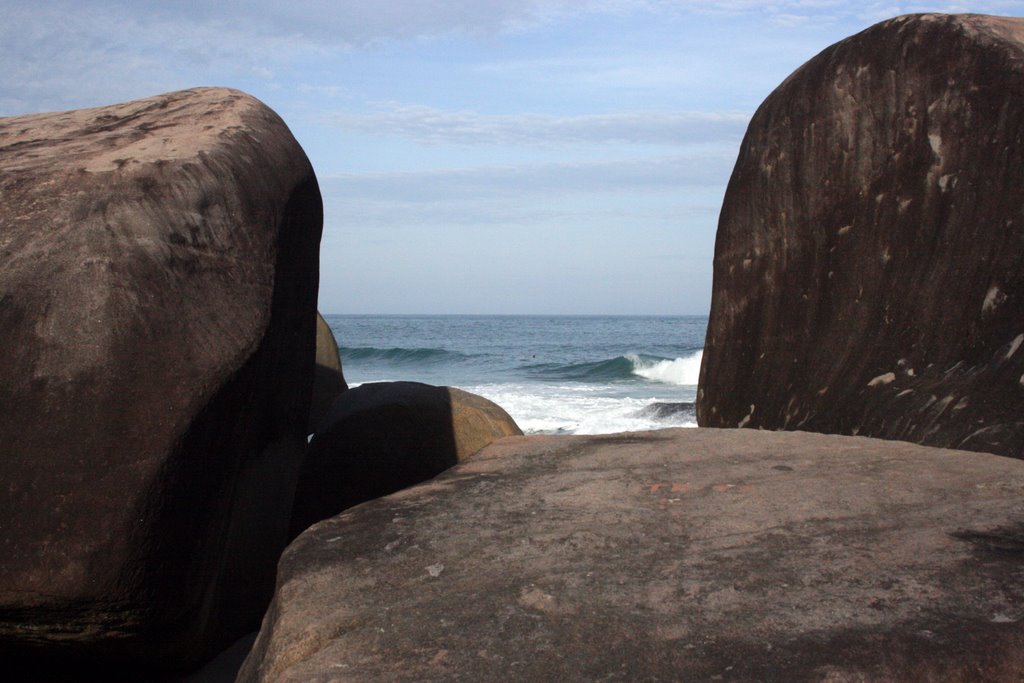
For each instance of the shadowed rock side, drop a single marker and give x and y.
(328, 380)
(680, 555)
(868, 265)
(384, 436)
(157, 302)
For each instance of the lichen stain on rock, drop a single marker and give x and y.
(993, 298)
(883, 379)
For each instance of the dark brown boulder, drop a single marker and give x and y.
(384, 436)
(158, 282)
(328, 379)
(680, 555)
(869, 265)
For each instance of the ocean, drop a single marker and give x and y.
(553, 374)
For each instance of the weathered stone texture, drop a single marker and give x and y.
(384, 436)
(868, 266)
(680, 555)
(158, 277)
(328, 378)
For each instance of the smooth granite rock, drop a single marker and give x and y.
(868, 274)
(384, 436)
(328, 380)
(158, 282)
(679, 555)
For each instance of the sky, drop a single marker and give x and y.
(474, 156)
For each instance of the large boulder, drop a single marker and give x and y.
(328, 378)
(158, 286)
(680, 555)
(384, 436)
(869, 265)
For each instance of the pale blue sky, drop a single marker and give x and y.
(475, 156)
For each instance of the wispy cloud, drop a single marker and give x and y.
(62, 53)
(429, 126)
(818, 13)
(552, 179)
(662, 188)
(59, 54)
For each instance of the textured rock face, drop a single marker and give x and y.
(158, 276)
(328, 380)
(681, 555)
(868, 267)
(382, 437)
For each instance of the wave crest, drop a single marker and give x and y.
(681, 371)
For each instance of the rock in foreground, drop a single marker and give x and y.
(157, 303)
(672, 555)
(384, 436)
(328, 378)
(868, 275)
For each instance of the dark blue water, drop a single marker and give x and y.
(553, 374)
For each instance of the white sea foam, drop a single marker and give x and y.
(575, 409)
(553, 375)
(681, 371)
(588, 408)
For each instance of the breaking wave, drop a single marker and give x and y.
(679, 371)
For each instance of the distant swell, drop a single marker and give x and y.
(398, 355)
(680, 371)
(601, 371)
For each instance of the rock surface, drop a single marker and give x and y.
(328, 380)
(868, 266)
(158, 277)
(384, 436)
(677, 555)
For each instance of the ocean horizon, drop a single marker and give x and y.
(554, 374)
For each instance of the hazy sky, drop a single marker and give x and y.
(475, 156)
